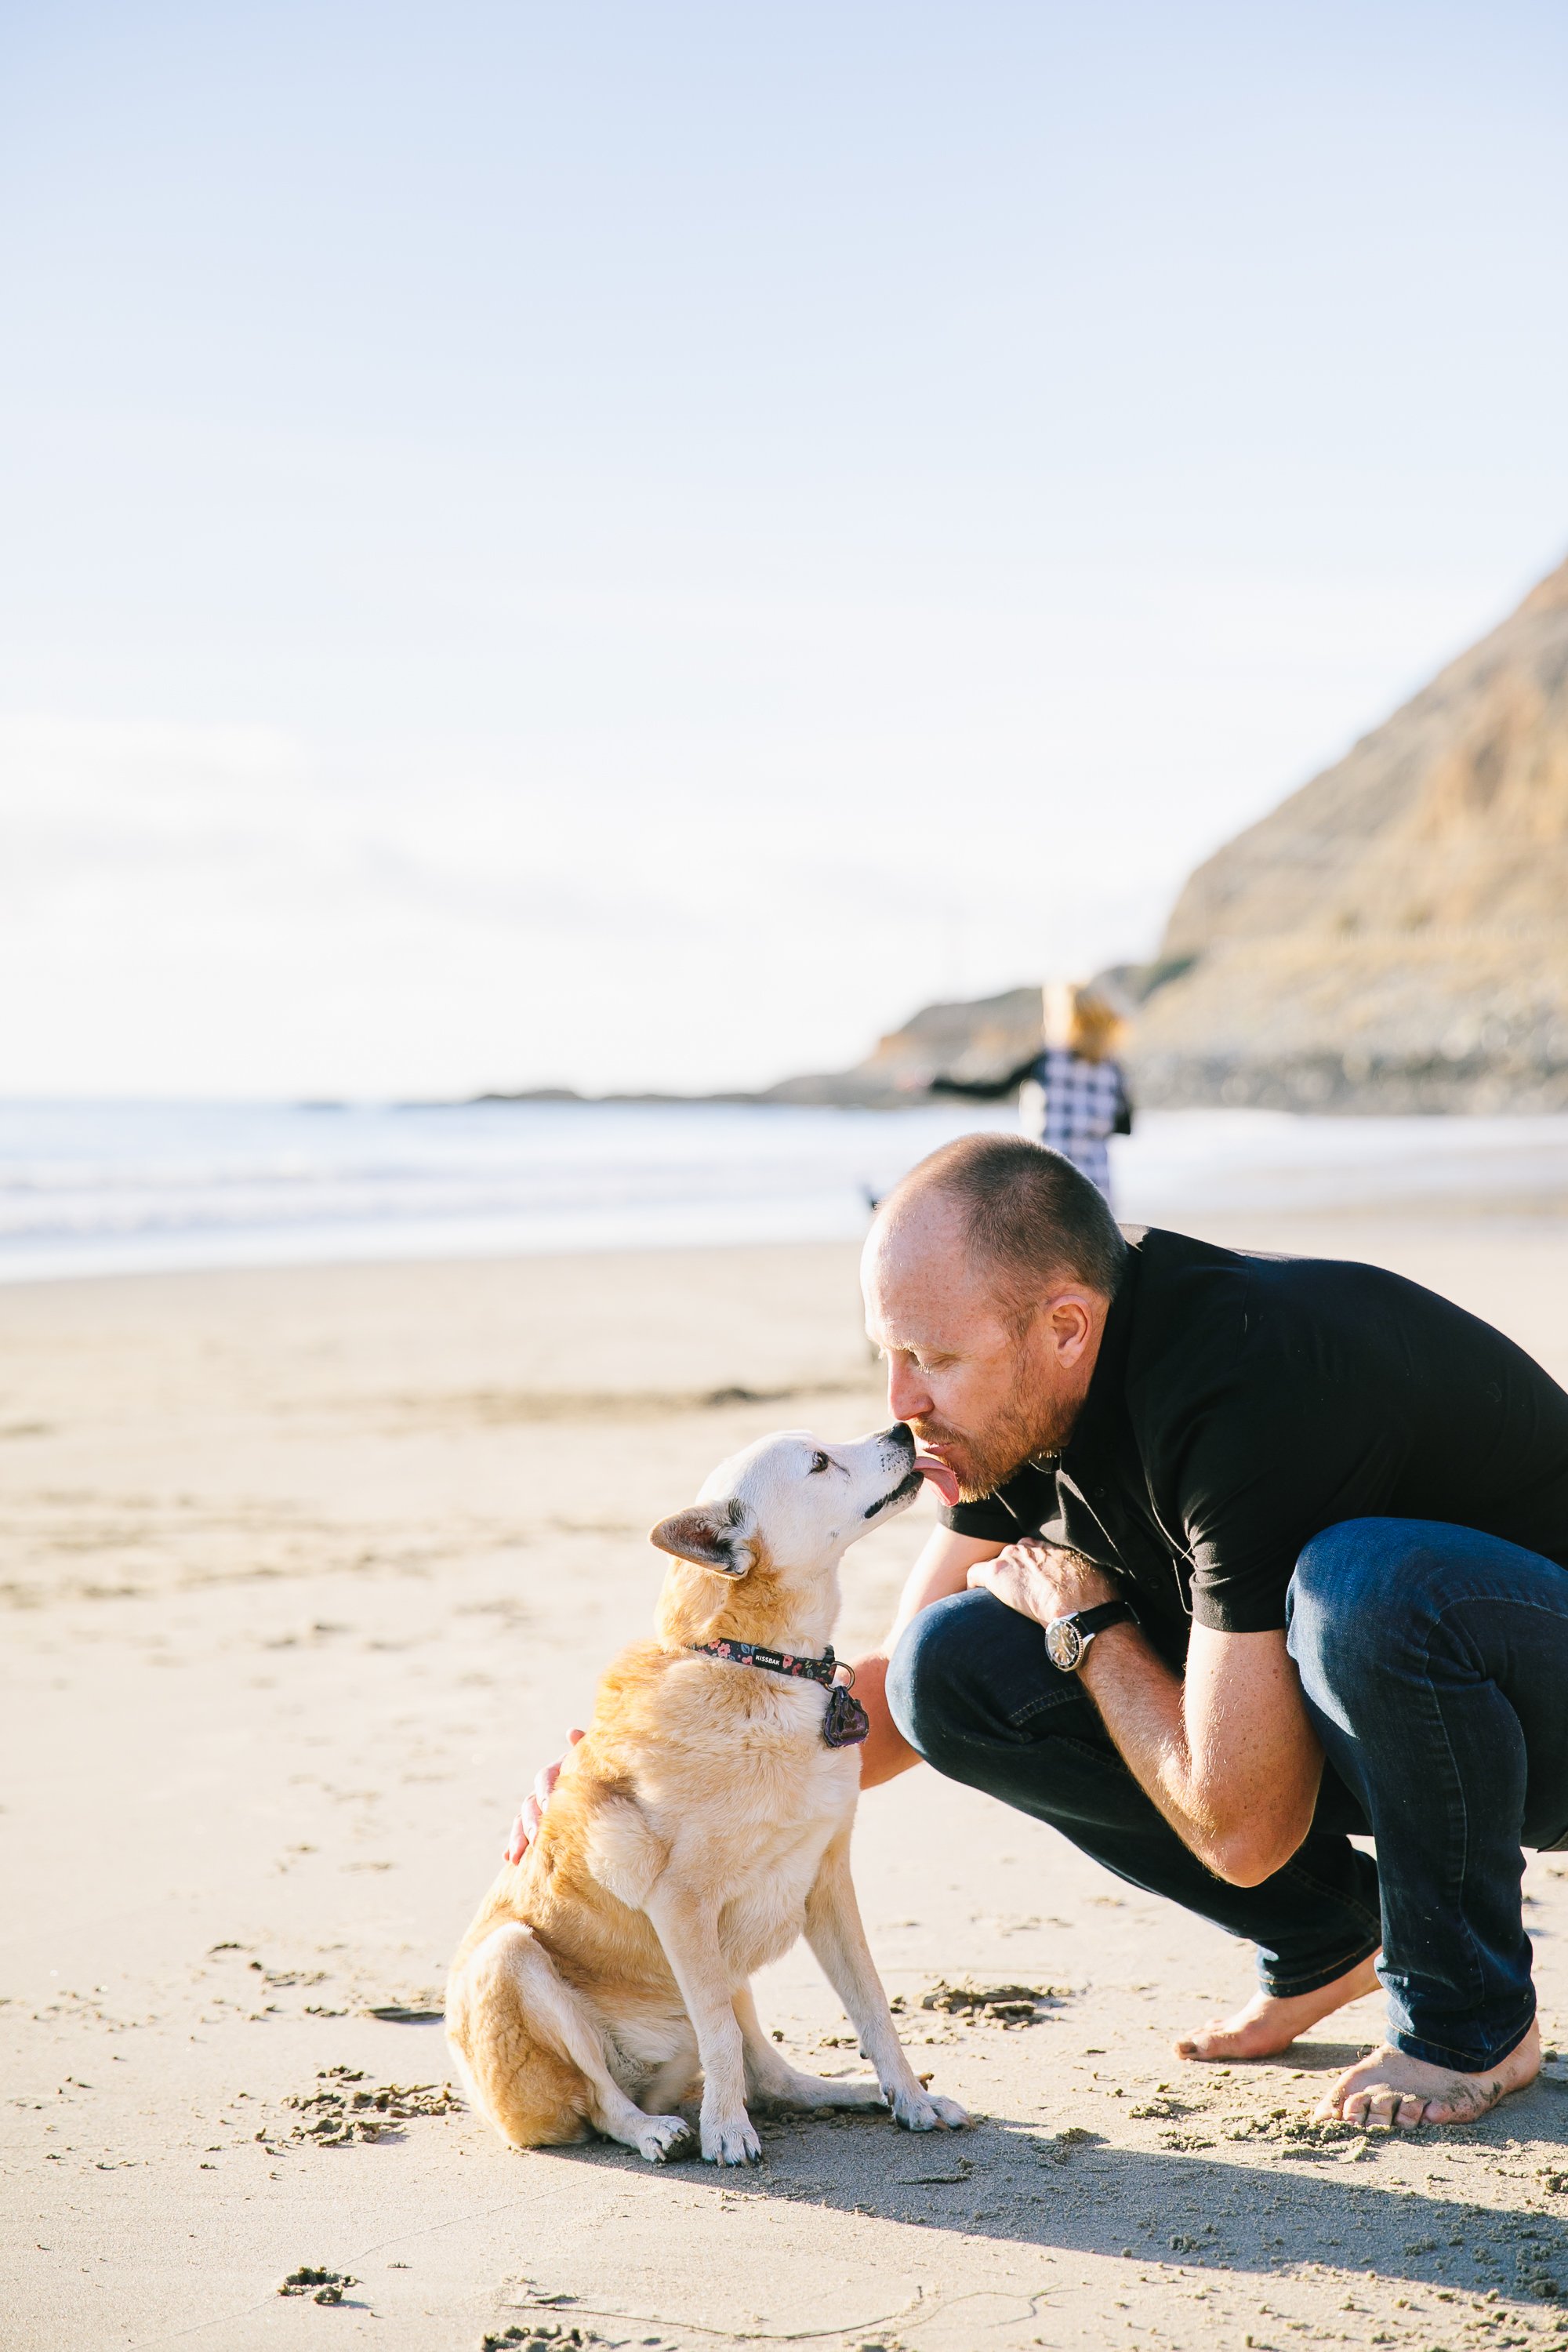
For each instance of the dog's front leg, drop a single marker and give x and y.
(687, 1923)
(835, 1934)
(770, 2076)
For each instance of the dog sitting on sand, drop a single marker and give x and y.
(698, 1829)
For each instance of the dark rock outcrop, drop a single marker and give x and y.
(978, 1040)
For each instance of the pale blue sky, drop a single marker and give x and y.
(631, 544)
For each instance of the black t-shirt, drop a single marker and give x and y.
(1241, 1404)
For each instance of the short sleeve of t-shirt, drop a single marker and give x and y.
(1241, 1560)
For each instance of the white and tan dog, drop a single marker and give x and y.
(698, 1829)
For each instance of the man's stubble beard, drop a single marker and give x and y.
(1022, 1429)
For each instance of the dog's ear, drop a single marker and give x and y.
(709, 1535)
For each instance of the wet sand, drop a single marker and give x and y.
(304, 1572)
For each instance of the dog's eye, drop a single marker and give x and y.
(819, 1461)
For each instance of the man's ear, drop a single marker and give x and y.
(709, 1534)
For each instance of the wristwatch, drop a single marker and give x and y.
(1067, 1638)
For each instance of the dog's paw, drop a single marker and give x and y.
(660, 2135)
(731, 2142)
(923, 2111)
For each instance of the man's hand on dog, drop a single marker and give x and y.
(531, 1812)
(1042, 1581)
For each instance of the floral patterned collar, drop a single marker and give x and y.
(846, 1723)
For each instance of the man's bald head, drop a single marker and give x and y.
(1025, 1220)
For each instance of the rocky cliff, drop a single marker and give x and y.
(1394, 936)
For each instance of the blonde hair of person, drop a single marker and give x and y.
(1081, 1021)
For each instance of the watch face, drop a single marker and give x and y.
(1064, 1644)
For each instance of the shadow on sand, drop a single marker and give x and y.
(1016, 2182)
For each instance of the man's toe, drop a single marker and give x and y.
(1210, 2041)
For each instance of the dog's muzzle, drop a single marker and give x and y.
(905, 1488)
(903, 1437)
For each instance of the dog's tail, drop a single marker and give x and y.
(506, 2008)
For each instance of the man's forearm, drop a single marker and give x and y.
(1137, 1694)
(1243, 1804)
(1226, 1751)
(1141, 1703)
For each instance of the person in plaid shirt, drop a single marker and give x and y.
(1073, 1096)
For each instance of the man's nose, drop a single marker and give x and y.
(907, 1396)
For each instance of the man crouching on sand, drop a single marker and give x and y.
(1241, 1556)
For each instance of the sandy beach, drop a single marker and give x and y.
(304, 1573)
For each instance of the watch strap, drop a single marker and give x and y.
(1091, 1622)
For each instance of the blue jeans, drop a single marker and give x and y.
(1434, 1665)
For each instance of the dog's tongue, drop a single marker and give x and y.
(932, 1466)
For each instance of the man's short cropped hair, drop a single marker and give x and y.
(1028, 1214)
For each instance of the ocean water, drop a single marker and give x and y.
(99, 1187)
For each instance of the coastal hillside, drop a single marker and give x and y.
(1394, 936)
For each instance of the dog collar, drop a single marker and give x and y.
(844, 1725)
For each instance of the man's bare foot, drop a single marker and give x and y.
(1389, 2089)
(1269, 2025)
